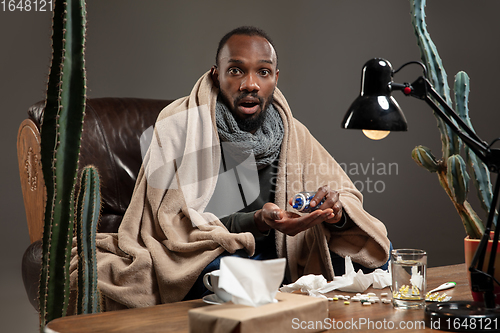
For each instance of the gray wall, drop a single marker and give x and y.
(158, 49)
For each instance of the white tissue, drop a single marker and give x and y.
(351, 281)
(306, 283)
(251, 282)
(416, 278)
(381, 278)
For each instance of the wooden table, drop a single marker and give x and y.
(354, 317)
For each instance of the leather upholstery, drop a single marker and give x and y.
(30, 269)
(110, 141)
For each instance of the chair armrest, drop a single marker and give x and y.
(30, 172)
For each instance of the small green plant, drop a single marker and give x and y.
(88, 213)
(451, 169)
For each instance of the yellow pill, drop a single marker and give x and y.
(335, 298)
(347, 302)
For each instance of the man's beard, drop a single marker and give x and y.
(253, 123)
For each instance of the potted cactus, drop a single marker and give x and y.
(61, 133)
(452, 169)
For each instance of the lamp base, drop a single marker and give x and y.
(462, 316)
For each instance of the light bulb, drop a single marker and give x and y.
(376, 135)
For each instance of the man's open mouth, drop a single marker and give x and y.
(249, 106)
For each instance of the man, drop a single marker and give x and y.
(194, 201)
(247, 75)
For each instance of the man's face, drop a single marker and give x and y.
(247, 76)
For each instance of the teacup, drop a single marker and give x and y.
(211, 281)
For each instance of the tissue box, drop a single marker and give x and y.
(290, 313)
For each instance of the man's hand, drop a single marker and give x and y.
(331, 201)
(289, 223)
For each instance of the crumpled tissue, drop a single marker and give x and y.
(251, 282)
(306, 283)
(416, 279)
(351, 281)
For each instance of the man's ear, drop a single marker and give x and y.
(277, 75)
(214, 72)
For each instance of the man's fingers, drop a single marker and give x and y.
(274, 214)
(305, 222)
(320, 194)
(336, 214)
(290, 223)
(331, 199)
(337, 208)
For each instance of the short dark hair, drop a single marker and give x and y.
(246, 31)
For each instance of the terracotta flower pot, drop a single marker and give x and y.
(470, 246)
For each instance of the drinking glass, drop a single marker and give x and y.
(408, 268)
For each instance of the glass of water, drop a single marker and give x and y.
(408, 269)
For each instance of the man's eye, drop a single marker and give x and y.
(234, 71)
(265, 72)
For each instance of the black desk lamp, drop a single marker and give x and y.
(375, 109)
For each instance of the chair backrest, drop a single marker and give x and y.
(111, 136)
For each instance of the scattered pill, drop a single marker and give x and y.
(383, 294)
(335, 298)
(367, 303)
(347, 303)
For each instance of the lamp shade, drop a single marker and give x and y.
(375, 108)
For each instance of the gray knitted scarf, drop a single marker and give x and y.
(265, 143)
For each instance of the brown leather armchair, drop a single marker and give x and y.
(111, 141)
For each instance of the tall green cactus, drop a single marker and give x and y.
(437, 74)
(480, 173)
(60, 145)
(87, 217)
(451, 169)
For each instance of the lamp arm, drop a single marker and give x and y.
(423, 89)
(481, 281)
(481, 144)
